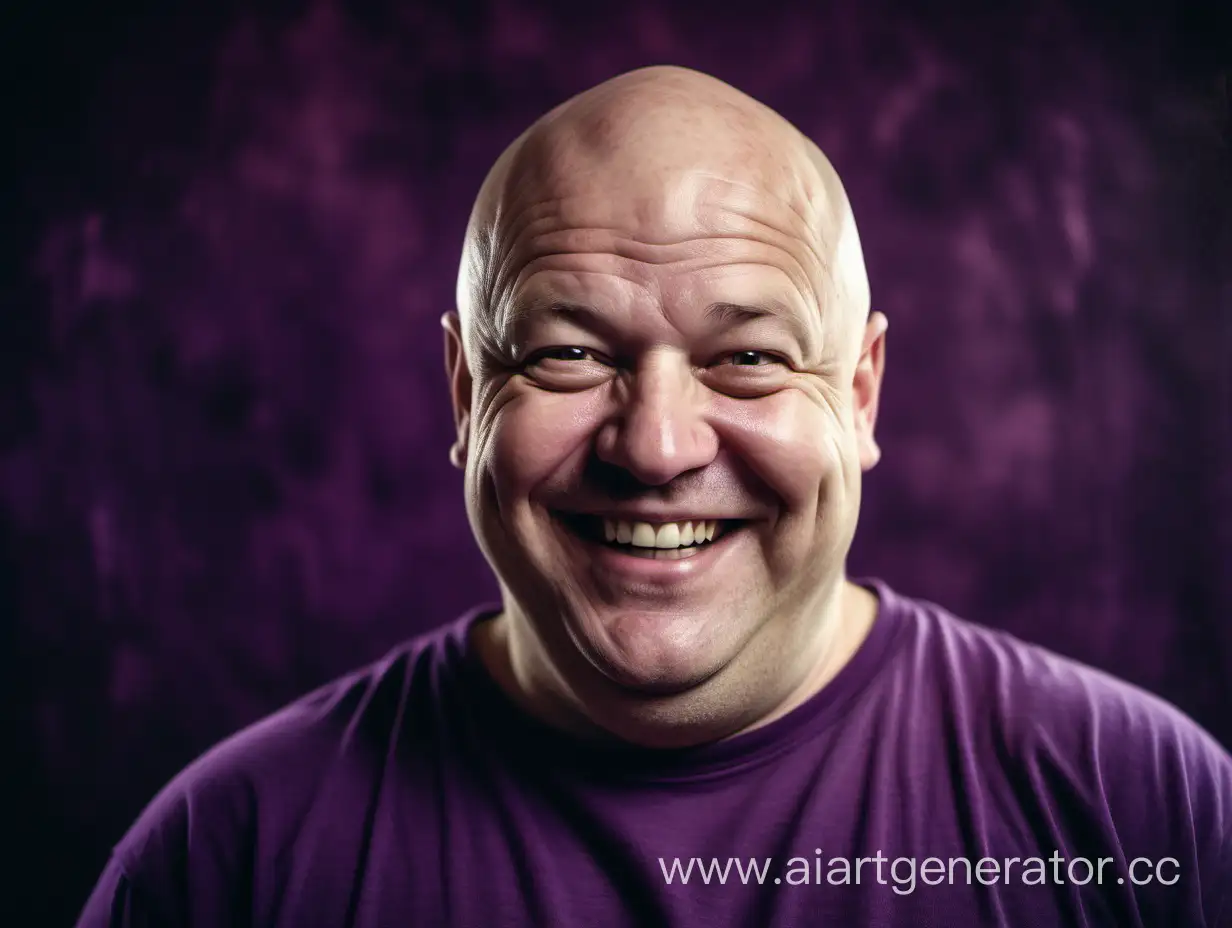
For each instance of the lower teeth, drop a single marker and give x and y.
(660, 554)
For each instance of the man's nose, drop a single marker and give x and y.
(661, 430)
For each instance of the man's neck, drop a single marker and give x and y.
(537, 690)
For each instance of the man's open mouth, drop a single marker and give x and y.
(657, 540)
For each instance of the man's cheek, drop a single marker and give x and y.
(782, 438)
(796, 470)
(518, 447)
(523, 462)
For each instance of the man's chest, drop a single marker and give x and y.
(780, 850)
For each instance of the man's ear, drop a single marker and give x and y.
(866, 388)
(459, 374)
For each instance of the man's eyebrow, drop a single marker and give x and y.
(736, 314)
(522, 313)
(539, 309)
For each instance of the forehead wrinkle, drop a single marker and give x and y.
(528, 270)
(520, 251)
(507, 301)
(792, 231)
(789, 244)
(510, 248)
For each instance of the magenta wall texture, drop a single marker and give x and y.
(223, 471)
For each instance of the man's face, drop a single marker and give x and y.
(664, 420)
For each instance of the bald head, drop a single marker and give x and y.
(638, 153)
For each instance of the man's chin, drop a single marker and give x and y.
(650, 666)
(654, 683)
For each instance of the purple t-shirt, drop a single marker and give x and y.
(948, 776)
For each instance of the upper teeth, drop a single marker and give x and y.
(659, 535)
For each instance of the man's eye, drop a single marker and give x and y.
(751, 359)
(566, 353)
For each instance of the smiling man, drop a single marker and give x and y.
(665, 375)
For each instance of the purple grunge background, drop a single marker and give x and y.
(223, 416)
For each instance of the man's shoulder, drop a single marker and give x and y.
(273, 773)
(1064, 719)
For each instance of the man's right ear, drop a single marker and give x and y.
(459, 374)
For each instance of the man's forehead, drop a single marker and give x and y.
(685, 217)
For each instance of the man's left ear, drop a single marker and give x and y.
(866, 388)
(458, 372)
